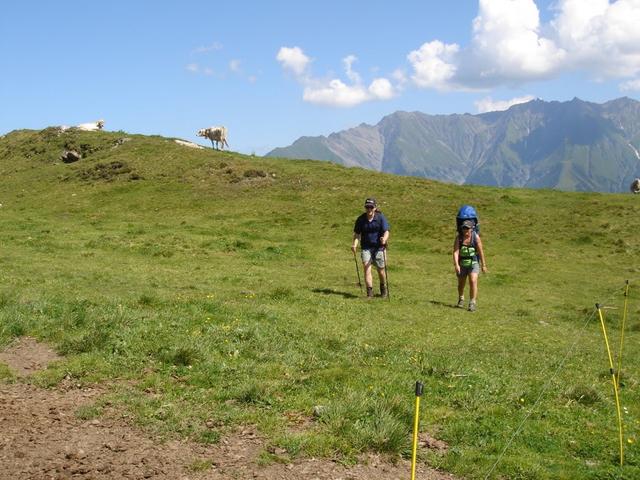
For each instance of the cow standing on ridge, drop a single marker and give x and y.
(215, 134)
(87, 127)
(91, 126)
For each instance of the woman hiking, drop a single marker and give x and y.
(468, 259)
(372, 231)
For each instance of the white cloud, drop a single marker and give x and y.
(334, 92)
(507, 43)
(381, 89)
(351, 75)
(234, 66)
(400, 76)
(200, 70)
(209, 48)
(487, 104)
(603, 37)
(510, 45)
(630, 85)
(433, 64)
(293, 59)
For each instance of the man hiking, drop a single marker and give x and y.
(468, 256)
(372, 231)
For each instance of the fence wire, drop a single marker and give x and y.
(547, 384)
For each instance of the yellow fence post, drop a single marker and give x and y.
(615, 383)
(416, 421)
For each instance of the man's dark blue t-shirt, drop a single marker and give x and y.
(371, 231)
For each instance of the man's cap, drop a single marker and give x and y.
(467, 224)
(370, 202)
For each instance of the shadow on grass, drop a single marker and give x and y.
(331, 291)
(442, 304)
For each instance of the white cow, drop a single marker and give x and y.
(215, 134)
(91, 126)
(635, 186)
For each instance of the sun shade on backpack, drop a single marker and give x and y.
(467, 212)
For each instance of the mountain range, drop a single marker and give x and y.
(574, 145)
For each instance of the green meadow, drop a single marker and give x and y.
(209, 290)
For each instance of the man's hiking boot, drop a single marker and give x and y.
(460, 303)
(383, 290)
(472, 306)
(369, 292)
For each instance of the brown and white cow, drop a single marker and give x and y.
(215, 134)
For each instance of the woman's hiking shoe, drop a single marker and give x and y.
(369, 292)
(383, 290)
(460, 303)
(472, 306)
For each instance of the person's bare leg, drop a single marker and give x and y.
(382, 275)
(368, 279)
(473, 291)
(473, 287)
(462, 280)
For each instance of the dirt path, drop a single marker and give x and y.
(41, 437)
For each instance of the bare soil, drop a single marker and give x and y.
(26, 355)
(42, 437)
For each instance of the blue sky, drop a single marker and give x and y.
(272, 71)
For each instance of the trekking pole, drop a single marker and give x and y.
(386, 271)
(416, 421)
(615, 383)
(357, 272)
(624, 319)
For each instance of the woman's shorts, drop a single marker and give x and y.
(368, 254)
(474, 268)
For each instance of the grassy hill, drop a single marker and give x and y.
(209, 290)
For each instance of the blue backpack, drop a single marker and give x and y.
(467, 212)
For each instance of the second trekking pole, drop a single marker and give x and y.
(357, 271)
(386, 270)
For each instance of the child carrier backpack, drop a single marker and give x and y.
(467, 212)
